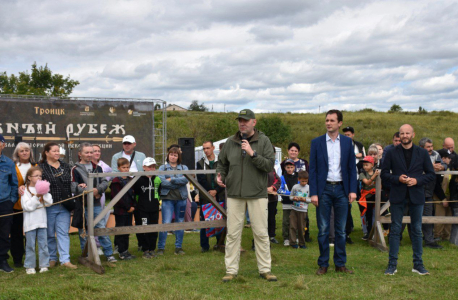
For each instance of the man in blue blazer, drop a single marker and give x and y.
(408, 168)
(332, 182)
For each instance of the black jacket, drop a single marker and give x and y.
(206, 180)
(147, 191)
(420, 168)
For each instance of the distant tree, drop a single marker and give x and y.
(395, 108)
(422, 111)
(41, 81)
(195, 106)
(275, 129)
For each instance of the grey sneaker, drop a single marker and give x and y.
(160, 252)
(179, 251)
(126, 256)
(391, 270)
(152, 254)
(147, 255)
(420, 269)
(111, 259)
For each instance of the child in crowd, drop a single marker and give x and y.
(367, 177)
(287, 182)
(300, 196)
(35, 222)
(124, 209)
(146, 190)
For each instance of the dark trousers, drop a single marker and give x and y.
(296, 227)
(123, 239)
(204, 240)
(428, 229)
(6, 208)
(271, 213)
(17, 238)
(370, 214)
(147, 240)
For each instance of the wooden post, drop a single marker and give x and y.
(93, 259)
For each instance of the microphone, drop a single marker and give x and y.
(244, 137)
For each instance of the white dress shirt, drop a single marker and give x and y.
(334, 167)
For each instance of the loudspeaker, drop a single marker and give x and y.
(17, 139)
(188, 155)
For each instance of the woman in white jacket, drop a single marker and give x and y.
(35, 222)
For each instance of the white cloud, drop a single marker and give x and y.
(292, 55)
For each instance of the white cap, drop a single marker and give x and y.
(149, 161)
(128, 139)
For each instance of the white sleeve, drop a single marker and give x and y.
(47, 199)
(29, 203)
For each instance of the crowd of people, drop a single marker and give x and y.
(34, 210)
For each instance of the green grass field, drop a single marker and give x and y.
(198, 275)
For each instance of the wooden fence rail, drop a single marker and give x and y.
(90, 257)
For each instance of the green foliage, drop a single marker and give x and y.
(395, 108)
(195, 106)
(275, 129)
(422, 111)
(370, 127)
(41, 81)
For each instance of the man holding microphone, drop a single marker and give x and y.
(243, 165)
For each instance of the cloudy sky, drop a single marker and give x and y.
(268, 55)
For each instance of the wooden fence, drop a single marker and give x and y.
(90, 257)
(376, 237)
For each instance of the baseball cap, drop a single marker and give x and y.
(246, 114)
(128, 139)
(289, 162)
(149, 161)
(348, 128)
(2, 139)
(369, 159)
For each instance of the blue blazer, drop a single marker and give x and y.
(421, 168)
(319, 165)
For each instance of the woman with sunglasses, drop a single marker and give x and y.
(58, 174)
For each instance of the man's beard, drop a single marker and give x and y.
(408, 141)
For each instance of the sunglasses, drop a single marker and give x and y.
(127, 143)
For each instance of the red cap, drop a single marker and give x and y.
(369, 159)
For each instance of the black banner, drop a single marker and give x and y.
(70, 122)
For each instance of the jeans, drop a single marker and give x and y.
(168, 208)
(58, 225)
(39, 235)
(333, 197)
(104, 240)
(397, 212)
(6, 207)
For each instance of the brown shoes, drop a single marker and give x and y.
(52, 264)
(229, 277)
(344, 270)
(321, 271)
(268, 276)
(70, 265)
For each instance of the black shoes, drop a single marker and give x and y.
(433, 245)
(5, 267)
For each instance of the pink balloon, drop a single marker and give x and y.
(42, 187)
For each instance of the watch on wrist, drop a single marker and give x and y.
(255, 154)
